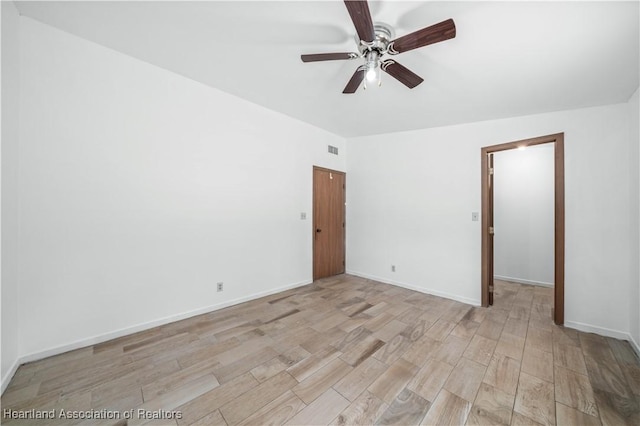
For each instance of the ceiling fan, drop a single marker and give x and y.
(376, 40)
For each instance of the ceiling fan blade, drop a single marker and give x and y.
(361, 17)
(328, 56)
(433, 34)
(355, 81)
(401, 73)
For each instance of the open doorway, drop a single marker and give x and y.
(488, 217)
(523, 217)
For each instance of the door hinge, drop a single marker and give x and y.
(343, 263)
(491, 230)
(490, 170)
(491, 288)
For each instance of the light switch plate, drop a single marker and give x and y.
(475, 216)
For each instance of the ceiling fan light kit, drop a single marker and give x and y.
(376, 40)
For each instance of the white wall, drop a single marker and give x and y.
(10, 206)
(634, 196)
(524, 215)
(411, 194)
(140, 189)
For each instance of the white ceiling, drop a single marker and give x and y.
(508, 59)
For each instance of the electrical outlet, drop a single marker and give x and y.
(303, 216)
(393, 268)
(220, 286)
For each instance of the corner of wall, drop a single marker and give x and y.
(634, 216)
(10, 77)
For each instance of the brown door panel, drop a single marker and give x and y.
(328, 222)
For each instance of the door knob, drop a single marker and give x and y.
(318, 230)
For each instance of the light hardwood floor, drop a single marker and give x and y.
(346, 350)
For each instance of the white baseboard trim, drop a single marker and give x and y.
(455, 297)
(634, 345)
(522, 281)
(616, 334)
(140, 327)
(9, 375)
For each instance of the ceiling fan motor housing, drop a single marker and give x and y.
(384, 35)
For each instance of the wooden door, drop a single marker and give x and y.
(491, 229)
(328, 222)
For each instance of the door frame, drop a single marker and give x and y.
(313, 219)
(558, 143)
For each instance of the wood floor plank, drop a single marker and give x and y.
(480, 349)
(569, 356)
(623, 351)
(321, 411)
(378, 321)
(491, 407)
(607, 376)
(257, 350)
(537, 363)
(539, 339)
(535, 399)
(351, 339)
(393, 349)
(632, 374)
(210, 401)
(356, 381)
(225, 373)
(283, 361)
(390, 330)
(518, 419)
(362, 351)
(322, 340)
(430, 379)
(276, 412)
(172, 380)
(447, 409)
(390, 383)
(330, 321)
(574, 390)
(503, 373)
(14, 396)
(464, 381)
(422, 350)
(510, 346)
(517, 327)
(596, 347)
(310, 365)
(570, 416)
(616, 410)
(206, 353)
(212, 419)
(348, 350)
(251, 401)
(465, 329)
(177, 397)
(365, 410)
(316, 384)
(407, 409)
(451, 350)
(490, 329)
(440, 330)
